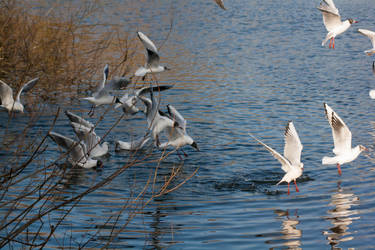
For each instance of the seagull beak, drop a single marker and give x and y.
(354, 21)
(194, 145)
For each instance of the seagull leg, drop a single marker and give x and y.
(288, 189)
(333, 44)
(295, 183)
(185, 154)
(179, 156)
(339, 168)
(330, 42)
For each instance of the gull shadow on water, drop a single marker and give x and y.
(264, 182)
(341, 216)
(289, 235)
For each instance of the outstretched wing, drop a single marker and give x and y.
(6, 94)
(87, 135)
(293, 146)
(77, 119)
(152, 52)
(77, 150)
(342, 137)
(331, 15)
(285, 164)
(370, 34)
(176, 116)
(26, 87)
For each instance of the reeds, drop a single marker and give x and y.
(57, 45)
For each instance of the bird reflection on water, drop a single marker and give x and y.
(341, 216)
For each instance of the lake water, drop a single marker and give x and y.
(251, 68)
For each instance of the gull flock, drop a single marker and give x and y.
(85, 151)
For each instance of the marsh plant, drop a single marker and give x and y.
(58, 45)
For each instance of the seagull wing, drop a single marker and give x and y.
(152, 52)
(6, 94)
(145, 90)
(342, 137)
(77, 150)
(331, 15)
(285, 164)
(77, 119)
(26, 87)
(148, 104)
(176, 116)
(293, 146)
(87, 135)
(220, 3)
(117, 83)
(370, 34)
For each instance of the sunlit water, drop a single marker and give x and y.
(251, 68)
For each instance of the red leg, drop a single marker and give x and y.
(288, 189)
(339, 169)
(330, 42)
(333, 44)
(295, 183)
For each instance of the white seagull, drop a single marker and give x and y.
(6, 96)
(157, 120)
(177, 136)
(133, 145)
(152, 58)
(77, 151)
(128, 103)
(86, 134)
(101, 96)
(332, 22)
(370, 34)
(342, 139)
(291, 161)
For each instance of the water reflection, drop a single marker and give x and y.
(290, 233)
(341, 216)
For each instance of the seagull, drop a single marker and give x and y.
(133, 145)
(101, 95)
(86, 134)
(6, 96)
(291, 161)
(177, 136)
(220, 3)
(77, 151)
(370, 34)
(128, 102)
(157, 120)
(332, 21)
(342, 139)
(152, 58)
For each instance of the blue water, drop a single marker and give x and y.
(251, 68)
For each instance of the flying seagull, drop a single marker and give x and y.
(342, 139)
(6, 96)
(332, 22)
(101, 96)
(157, 120)
(291, 161)
(177, 136)
(77, 151)
(86, 134)
(128, 103)
(370, 34)
(152, 58)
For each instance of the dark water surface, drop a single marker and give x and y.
(248, 69)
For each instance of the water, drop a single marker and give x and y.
(251, 68)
